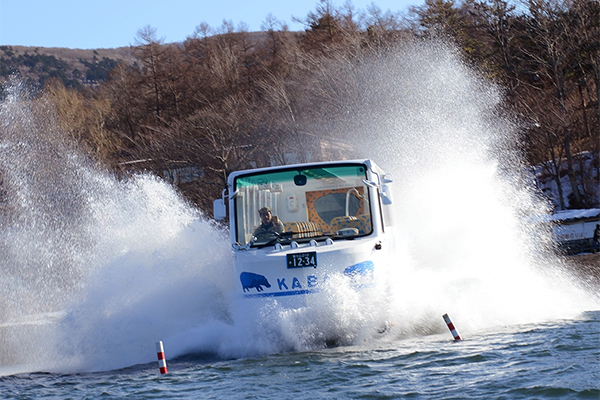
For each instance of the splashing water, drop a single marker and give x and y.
(461, 197)
(95, 269)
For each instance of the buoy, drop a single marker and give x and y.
(451, 327)
(162, 363)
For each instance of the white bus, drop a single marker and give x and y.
(334, 218)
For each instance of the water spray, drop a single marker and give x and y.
(91, 246)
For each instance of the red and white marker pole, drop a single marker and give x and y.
(451, 327)
(162, 363)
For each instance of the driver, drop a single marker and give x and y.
(269, 224)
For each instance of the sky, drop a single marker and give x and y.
(94, 24)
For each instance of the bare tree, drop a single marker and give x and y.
(498, 19)
(554, 54)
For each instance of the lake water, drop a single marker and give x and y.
(554, 359)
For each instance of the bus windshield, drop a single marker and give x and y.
(302, 204)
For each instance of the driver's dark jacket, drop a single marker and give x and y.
(265, 232)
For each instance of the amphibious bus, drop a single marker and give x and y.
(331, 217)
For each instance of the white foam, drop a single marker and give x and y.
(129, 262)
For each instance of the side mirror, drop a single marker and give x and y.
(219, 209)
(386, 195)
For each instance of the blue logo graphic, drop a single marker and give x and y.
(250, 280)
(364, 268)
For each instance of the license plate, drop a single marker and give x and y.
(301, 260)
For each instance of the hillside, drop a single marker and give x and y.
(74, 67)
(179, 103)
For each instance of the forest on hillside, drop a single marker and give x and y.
(193, 112)
(74, 68)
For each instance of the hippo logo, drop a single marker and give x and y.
(250, 280)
